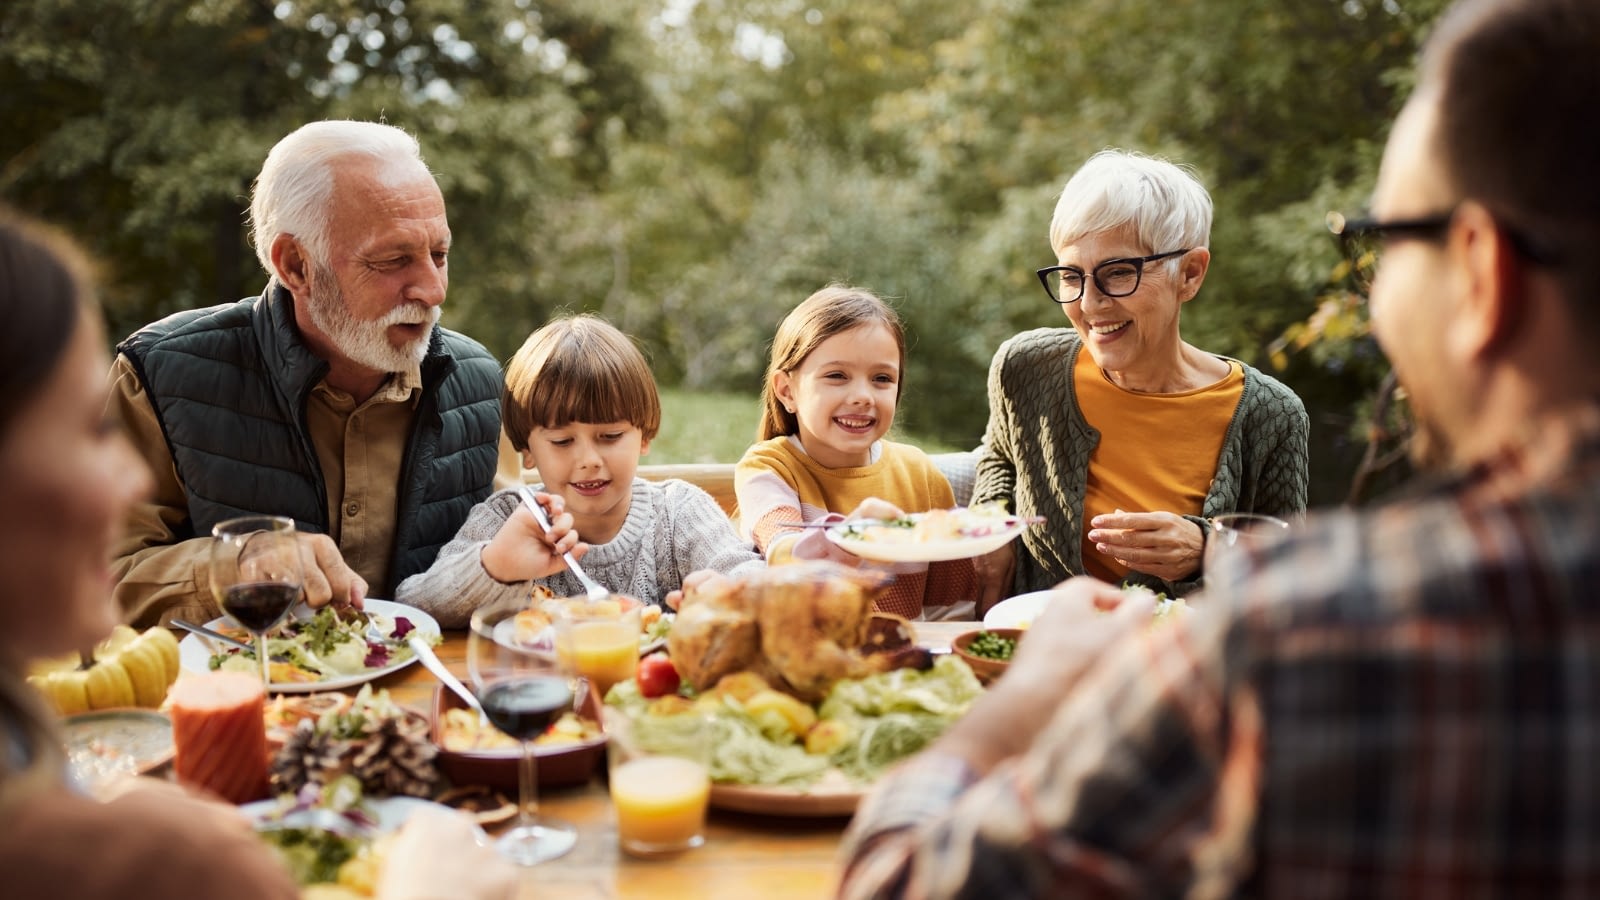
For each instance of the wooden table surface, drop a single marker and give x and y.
(769, 857)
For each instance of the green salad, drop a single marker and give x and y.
(861, 728)
(329, 644)
(313, 855)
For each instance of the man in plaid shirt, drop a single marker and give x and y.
(1398, 703)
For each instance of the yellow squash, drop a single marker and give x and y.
(129, 669)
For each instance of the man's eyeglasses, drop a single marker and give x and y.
(1113, 278)
(1363, 240)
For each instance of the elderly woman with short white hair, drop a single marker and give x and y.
(1121, 435)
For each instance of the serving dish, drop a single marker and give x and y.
(557, 764)
(854, 539)
(109, 742)
(834, 795)
(195, 656)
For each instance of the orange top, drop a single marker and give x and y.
(1157, 452)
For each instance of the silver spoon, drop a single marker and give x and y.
(596, 590)
(432, 664)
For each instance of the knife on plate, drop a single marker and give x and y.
(208, 635)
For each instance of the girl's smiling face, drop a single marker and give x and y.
(844, 394)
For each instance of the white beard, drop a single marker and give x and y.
(366, 343)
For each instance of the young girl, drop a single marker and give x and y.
(829, 398)
(581, 406)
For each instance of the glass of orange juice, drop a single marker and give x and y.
(660, 783)
(600, 639)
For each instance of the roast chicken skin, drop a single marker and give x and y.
(715, 633)
(802, 627)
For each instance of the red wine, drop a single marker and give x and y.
(524, 707)
(259, 606)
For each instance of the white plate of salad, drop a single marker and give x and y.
(337, 837)
(323, 652)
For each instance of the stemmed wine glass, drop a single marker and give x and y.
(523, 685)
(255, 575)
(1232, 532)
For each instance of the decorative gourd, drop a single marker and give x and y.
(129, 669)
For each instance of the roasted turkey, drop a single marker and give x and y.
(802, 627)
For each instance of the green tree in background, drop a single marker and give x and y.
(139, 125)
(692, 169)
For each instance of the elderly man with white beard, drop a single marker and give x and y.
(333, 398)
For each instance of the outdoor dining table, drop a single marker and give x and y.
(744, 855)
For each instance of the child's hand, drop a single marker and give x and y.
(522, 551)
(709, 581)
(874, 508)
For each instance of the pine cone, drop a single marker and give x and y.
(395, 757)
(307, 757)
(390, 756)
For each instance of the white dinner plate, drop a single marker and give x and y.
(1018, 611)
(196, 657)
(389, 812)
(926, 551)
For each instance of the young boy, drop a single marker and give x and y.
(581, 407)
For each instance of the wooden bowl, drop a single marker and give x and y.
(558, 764)
(985, 668)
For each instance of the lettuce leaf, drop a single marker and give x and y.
(895, 714)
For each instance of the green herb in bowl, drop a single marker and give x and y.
(992, 646)
(987, 651)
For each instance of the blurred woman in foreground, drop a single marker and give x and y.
(1125, 450)
(69, 477)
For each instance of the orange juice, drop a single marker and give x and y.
(661, 803)
(605, 651)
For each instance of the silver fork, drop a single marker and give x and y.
(595, 589)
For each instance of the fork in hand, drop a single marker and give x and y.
(595, 589)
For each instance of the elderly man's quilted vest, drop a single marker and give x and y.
(230, 385)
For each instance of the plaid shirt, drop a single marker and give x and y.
(1398, 703)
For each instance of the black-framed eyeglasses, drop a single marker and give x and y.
(1113, 278)
(1363, 239)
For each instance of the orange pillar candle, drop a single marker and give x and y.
(220, 735)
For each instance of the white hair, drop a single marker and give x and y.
(1162, 202)
(293, 193)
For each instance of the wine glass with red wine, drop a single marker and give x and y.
(523, 686)
(255, 575)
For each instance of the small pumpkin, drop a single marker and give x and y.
(129, 669)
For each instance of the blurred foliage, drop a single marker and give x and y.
(704, 426)
(692, 169)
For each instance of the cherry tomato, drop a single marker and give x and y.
(656, 676)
